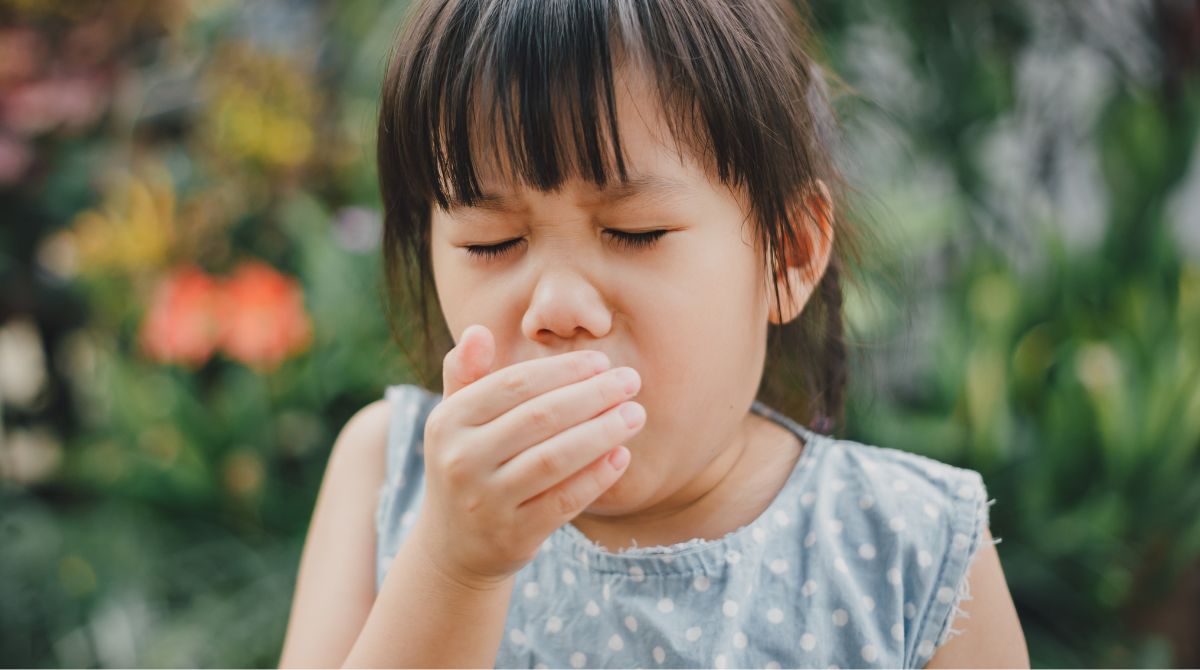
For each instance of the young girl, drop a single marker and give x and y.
(624, 209)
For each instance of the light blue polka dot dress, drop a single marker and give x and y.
(860, 561)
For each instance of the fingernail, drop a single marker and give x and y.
(618, 458)
(629, 379)
(633, 413)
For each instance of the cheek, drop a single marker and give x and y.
(703, 296)
(701, 330)
(448, 285)
(468, 296)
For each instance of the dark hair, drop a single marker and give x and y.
(735, 83)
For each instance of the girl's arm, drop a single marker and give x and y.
(335, 586)
(336, 618)
(991, 634)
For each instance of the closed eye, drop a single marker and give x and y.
(623, 238)
(493, 250)
(636, 240)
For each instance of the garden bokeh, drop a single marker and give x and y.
(191, 304)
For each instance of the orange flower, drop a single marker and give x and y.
(263, 319)
(181, 324)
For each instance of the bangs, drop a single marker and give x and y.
(525, 89)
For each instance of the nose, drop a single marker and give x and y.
(565, 305)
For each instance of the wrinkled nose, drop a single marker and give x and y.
(565, 305)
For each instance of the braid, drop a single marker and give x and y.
(832, 375)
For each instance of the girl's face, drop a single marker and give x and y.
(688, 308)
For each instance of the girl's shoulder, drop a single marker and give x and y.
(901, 481)
(905, 526)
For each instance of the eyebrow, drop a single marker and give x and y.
(651, 189)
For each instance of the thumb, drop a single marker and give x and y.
(469, 360)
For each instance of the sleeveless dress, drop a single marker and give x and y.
(859, 561)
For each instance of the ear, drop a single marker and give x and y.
(807, 264)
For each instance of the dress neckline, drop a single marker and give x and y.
(700, 555)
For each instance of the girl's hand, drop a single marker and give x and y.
(511, 456)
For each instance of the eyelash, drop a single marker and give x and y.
(622, 238)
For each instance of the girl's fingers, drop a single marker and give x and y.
(545, 465)
(508, 387)
(547, 415)
(469, 360)
(558, 505)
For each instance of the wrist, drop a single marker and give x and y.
(445, 575)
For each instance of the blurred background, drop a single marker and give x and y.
(191, 306)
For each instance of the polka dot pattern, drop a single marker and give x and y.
(859, 561)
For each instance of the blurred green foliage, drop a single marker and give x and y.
(1033, 167)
